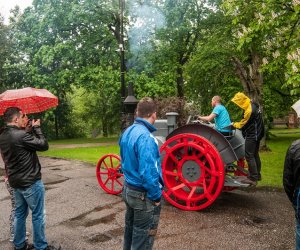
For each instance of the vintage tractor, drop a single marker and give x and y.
(198, 163)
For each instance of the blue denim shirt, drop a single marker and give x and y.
(140, 158)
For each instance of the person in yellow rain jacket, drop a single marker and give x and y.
(252, 127)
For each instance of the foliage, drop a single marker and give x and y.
(210, 71)
(274, 25)
(74, 44)
(193, 49)
(96, 107)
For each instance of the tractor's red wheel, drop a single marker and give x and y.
(193, 171)
(241, 170)
(109, 174)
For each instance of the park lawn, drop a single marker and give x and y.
(272, 161)
(87, 154)
(86, 140)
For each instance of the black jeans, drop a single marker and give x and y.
(252, 158)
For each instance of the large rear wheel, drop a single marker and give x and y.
(193, 171)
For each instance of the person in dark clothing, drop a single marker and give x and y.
(252, 127)
(18, 149)
(26, 126)
(291, 182)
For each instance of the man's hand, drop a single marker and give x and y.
(156, 204)
(36, 123)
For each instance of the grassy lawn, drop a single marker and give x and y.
(86, 140)
(87, 154)
(272, 162)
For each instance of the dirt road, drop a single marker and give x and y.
(81, 216)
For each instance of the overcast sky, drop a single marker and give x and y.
(7, 5)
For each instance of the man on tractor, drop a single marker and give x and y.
(220, 115)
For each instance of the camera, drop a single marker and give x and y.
(29, 123)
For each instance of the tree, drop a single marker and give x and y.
(3, 50)
(59, 41)
(269, 30)
(180, 36)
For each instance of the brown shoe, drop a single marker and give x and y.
(249, 181)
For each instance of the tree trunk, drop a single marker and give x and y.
(104, 128)
(251, 78)
(56, 125)
(252, 81)
(180, 81)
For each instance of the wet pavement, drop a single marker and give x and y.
(80, 215)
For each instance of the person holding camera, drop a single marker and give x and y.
(11, 191)
(18, 150)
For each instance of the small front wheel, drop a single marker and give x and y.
(109, 174)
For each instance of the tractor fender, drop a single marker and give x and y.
(217, 139)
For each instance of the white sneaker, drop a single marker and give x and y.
(11, 239)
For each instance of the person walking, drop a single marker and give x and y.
(18, 150)
(220, 115)
(291, 182)
(143, 183)
(252, 127)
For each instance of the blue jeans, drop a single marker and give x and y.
(141, 220)
(32, 198)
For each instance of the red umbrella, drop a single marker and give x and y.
(30, 100)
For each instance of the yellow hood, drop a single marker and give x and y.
(241, 100)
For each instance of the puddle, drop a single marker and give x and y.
(106, 219)
(106, 236)
(81, 219)
(116, 232)
(49, 188)
(254, 220)
(56, 182)
(108, 206)
(99, 238)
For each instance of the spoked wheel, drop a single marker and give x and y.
(109, 174)
(193, 171)
(240, 170)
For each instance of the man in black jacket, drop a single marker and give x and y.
(252, 127)
(18, 150)
(291, 182)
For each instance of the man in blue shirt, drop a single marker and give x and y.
(143, 178)
(220, 115)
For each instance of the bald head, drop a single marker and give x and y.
(215, 100)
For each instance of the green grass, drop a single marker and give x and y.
(89, 154)
(272, 162)
(85, 140)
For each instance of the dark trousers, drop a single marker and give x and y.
(296, 205)
(252, 158)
